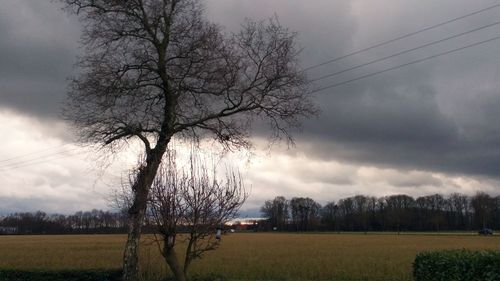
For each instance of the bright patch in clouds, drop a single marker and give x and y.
(40, 171)
(290, 173)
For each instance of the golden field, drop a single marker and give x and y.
(249, 256)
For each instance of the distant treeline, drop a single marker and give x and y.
(390, 213)
(95, 221)
(358, 213)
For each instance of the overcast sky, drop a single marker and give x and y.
(424, 128)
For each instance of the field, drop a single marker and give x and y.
(249, 256)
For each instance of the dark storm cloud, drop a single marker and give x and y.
(409, 118)
(402, 124)
(38, 46)
(325, 28)
(440, 115)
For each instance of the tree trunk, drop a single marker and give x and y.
(188, 259)
(131, 255)
(175, 266)
(141, 187)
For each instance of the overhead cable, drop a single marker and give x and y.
(400, 37)
(33, 153)
(405, 64)
(36, 159)
(406, 51)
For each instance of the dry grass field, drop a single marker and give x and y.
(252, 256)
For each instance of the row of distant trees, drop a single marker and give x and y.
(390, 213)
(358, 213)
(95, 221)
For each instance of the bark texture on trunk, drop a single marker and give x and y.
(131, 254)
(141, 187)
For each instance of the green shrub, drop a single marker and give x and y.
(74, 275)
(457, 265)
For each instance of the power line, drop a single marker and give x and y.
(406, 64)
(36, 158)
(18, 165)
(406, 51)
(400, 37)
(33, 153)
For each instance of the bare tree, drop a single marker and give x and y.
(484, 206)
(305, 213)
(398, 209)
(195, 203)
(155, 69)
(461, 208)
(277, 212)
(329, 215)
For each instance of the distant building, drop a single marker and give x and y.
(244, 224)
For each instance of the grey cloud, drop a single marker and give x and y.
(325, 28)
(403, 118)
(37, 52)
(437, 116)
(309, 172)
(407, 118)
(409, 122)
(413, 180)
(10, 205)
(250, 213)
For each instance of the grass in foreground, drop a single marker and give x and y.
(252, 256)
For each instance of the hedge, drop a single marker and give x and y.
(73, 275)
(457, 265)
